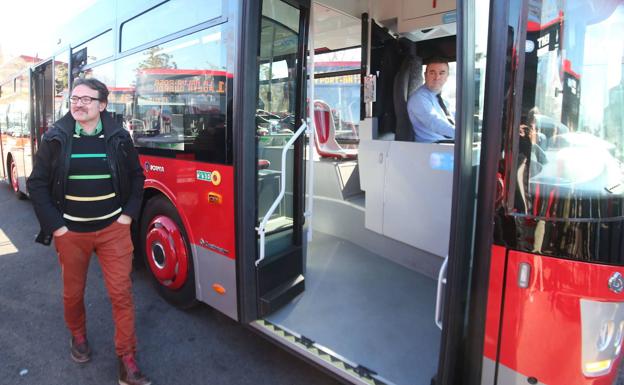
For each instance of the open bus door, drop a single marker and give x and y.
(271, 181)
(544, 282)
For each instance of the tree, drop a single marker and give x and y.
(61, 78)
(156, 59)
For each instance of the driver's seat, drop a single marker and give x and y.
(406, 81)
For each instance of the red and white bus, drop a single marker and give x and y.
(292, 201)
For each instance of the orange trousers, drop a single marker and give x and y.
(113, 247)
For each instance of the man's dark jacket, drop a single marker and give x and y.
(48, 180)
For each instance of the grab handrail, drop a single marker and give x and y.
(261, 229)
(441, 283)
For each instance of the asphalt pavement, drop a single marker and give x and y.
(196, 347)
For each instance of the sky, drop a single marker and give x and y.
(41, 17)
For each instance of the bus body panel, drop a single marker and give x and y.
(188, 185)
(494, 304)
(194, 184)
(545, 333)
(215, 280)
(493, 313)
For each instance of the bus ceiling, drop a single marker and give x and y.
(433, 28)
(436, 47)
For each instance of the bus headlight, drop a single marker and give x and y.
(602, 326)
(597, 368)
(605, 336)
(619, 336)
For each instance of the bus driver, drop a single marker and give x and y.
(428, 112)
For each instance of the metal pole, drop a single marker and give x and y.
(311, 128)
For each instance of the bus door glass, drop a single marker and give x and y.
(276, 110)
(278, 115)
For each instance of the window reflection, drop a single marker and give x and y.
(172, 98)
(571, 140)
(61, 85)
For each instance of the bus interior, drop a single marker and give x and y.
(381, 202)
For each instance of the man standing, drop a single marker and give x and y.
(428, 112)
(86, 187)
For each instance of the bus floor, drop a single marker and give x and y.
(367, 309)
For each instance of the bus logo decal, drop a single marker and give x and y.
(616, 283)
(209, 176)
(213, 247)
(151, 167)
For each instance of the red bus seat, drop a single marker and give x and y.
(326, 144)
(263, 164)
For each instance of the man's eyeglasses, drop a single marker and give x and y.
(83, 99)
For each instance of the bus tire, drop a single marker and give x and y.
(13, 181)
(167, 253)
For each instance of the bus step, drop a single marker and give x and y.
(281, 295)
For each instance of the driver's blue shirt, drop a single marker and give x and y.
(429, 122)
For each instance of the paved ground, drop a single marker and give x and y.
(195, 347)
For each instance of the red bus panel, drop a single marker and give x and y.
(565, 326)
(189, 185)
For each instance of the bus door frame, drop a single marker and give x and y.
(249, 285)
(38, 95)
(474, 194)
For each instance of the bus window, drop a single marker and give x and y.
(166, 18)
(104, 72)
(97, 48)
(173, 97)
(337, 67)
(571, 132)
(337, 83)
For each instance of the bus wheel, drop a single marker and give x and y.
(167, 252)
(13, 176)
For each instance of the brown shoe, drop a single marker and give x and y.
(129, 373)
(79, 349)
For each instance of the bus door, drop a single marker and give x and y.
(279, 162)
(42, 77)
(4, 125)
(556, 273)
